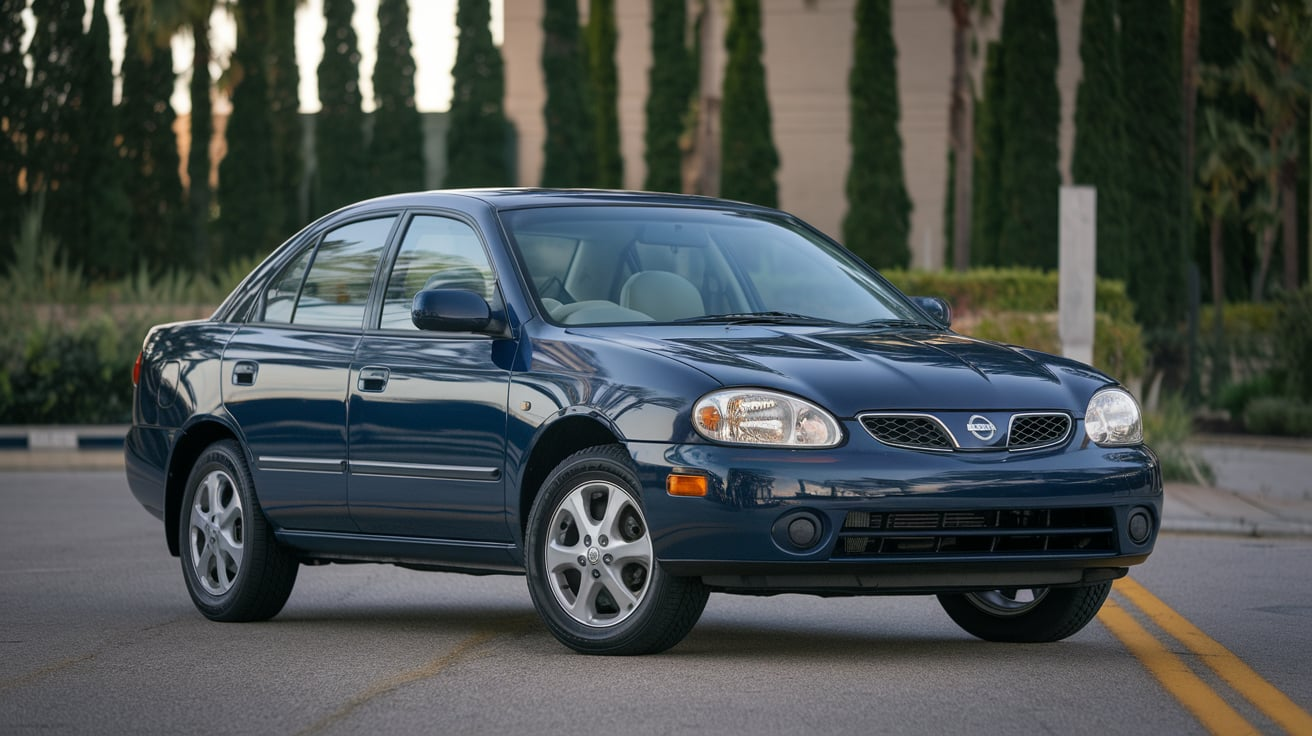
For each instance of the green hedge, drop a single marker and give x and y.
(1018, 306)
(1007, 290)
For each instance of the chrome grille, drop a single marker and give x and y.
(914, 431)
(1032, 431)
(964, 533)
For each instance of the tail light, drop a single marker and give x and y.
(136, 371)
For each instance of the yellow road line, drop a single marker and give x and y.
(1203, 702)
(405, 678)
(1266, 697)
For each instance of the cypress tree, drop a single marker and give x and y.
(747, 153)
(986, 227)
(285, 118)
(13, 104)
(246, 172)
(1100, 134)
(396, 152)
(339, 132)
(199, 196)
(1150, 55)
(671, 82)
(878, 219)
(103, 220)
(569, 153)
(604, 84)
(56, 123)
(476, 141)
(1029, 176)
(149, 147)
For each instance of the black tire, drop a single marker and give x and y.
(234, 568)
(593, 601)
(1006, 615)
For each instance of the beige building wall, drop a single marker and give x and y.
(808, 54)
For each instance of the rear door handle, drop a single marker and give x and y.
(244, 373)
(373, 379)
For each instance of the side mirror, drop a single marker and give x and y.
(937, 308)
(450, 310)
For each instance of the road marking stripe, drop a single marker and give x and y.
(405, 678)
(1203, 702)
(1266, 697)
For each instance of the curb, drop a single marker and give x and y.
(1237, 528)
(39, 439)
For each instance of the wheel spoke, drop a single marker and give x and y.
(624, 598)
(639, 550)
(577, 509)
(560, 558)
(615, 503)
(584, 607)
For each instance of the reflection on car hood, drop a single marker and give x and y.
(854, 370)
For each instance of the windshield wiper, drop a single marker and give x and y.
(894, 323)
(747, 318)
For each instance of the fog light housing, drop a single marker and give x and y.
(799, 531)
(1140, 525)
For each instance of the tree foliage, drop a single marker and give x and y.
(749, 159)
(986, 226)
(1150, 55)
(285, 118)
(1101, 128)
(149, 147)
(477, 140)
(1030, 117)
(569, 154)
(247, 171)
(342, 176)
(56, 123)
(671, 83)
(878, 220)
(603, 84)
(396, 151)
(13, 107)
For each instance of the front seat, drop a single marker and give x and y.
(664, 295)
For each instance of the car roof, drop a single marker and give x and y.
(516, 198)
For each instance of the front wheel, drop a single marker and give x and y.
(1025, 614)
(234, 568)
(592, 572)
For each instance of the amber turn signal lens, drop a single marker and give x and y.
(685, 485)
(709, 417)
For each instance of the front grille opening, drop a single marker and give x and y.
(1032, 431)
(1011, 532)
(915, 432)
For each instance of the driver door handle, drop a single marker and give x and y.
(373, 379)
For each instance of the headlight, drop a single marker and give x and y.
(759, 417)
(1112, 419)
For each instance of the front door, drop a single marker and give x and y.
(428, 410)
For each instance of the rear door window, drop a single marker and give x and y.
(336, 291)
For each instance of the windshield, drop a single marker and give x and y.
(617, 264)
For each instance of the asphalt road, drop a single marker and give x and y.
(97, 635)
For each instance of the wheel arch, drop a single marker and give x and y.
(191, 443)
(558, 441)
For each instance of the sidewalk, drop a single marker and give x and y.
(1263, 485)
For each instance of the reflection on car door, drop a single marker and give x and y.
(285, 376)
(428, 410)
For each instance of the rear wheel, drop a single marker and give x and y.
(592, 571)
(1025, 614)
(233, 566)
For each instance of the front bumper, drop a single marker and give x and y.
(902, 521)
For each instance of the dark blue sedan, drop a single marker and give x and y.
(634, 400)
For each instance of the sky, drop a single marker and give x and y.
(432, 38)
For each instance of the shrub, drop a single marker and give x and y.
(1167, 430)
(1294, 327)
(1279, 415)
(1008, 289)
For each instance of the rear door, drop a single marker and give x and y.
(428, 410)
(285, 375)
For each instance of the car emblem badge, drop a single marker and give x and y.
(593, 555)
(981, 427)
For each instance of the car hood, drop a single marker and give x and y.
(850, 371)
